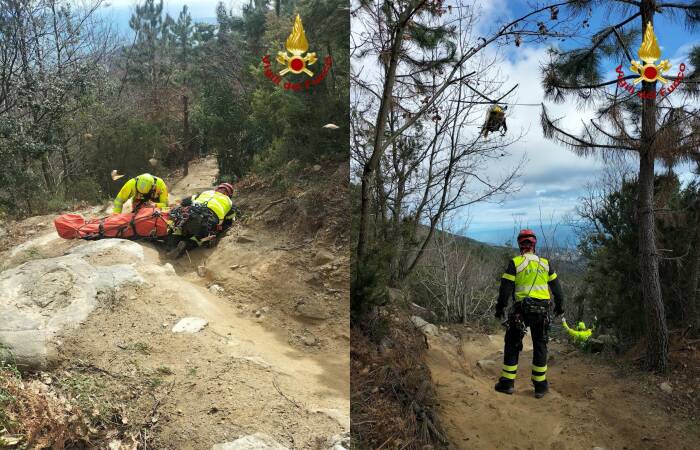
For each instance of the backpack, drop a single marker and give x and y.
(196, 220)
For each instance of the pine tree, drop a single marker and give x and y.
(148, 60)
(638, 123)
(183, 32)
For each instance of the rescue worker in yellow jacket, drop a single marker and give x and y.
(200, 218)
(528, 280)
(580, 335)
(142, 189)
(217, 201)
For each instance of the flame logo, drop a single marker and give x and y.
(649, 52)
(297, 45)
(296, 42)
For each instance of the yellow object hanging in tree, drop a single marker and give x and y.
(495, 121)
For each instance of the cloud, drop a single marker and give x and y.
(553, 177)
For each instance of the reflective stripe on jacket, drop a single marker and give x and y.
(219, 203)
(531, 277)
(158, 194)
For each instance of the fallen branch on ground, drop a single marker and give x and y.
(274, 383)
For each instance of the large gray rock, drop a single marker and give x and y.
(608, 339)
(486, 363)
(190, 325)
(257, 441)
(312, 308)
(340, 442)
(426, 327)
(42, 297)
(447, 337)
(216, 289)
(121, 249)
(601, 342)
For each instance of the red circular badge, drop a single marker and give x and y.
(650, 72)
(296, 64)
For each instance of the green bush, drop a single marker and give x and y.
(612, 276)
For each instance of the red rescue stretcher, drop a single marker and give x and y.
(146, 222)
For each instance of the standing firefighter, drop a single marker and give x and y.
(142, 189)
(528, 280)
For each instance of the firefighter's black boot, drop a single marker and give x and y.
(541, 388)
(504, 386)
(178, 250)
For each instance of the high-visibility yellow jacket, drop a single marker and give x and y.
(531, 277)
(578, 337)
(217, 202)
(158, 195)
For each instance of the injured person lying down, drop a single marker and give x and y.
(195, 222)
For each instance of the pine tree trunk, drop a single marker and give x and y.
(185, 137)
(656, 330)
(397, 232)
(693, 299)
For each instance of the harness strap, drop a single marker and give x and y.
(132, 223)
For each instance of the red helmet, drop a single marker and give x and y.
(225, 188)
(527, 239)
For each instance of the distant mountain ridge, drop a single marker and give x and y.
(563, 235)
(565, 259)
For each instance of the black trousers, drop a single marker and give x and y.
(539, 330)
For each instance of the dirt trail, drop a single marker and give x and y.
(262, 364)
(589, 405)
(201, 176)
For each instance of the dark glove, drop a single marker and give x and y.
(558, 311)
(500, 315)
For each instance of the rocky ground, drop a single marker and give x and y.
(244, 345)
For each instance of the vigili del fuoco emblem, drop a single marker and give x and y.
(296, 60)
(297, 45)
(648, 70)
(649, 52)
